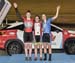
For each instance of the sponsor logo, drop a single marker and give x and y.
(28, 24)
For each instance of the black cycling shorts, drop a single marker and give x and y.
(37, 38)
(46, 37)
(28, 36)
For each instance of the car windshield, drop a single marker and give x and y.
(55, 28)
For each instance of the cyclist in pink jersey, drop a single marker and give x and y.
(28, 35)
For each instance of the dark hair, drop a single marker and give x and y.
(29, 11)
(37, 16)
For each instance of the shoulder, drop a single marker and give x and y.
(40, 22)
(23, 17)
(49, 19)
(32, 20)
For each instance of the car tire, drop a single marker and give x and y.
(14, 47)
(69, 46)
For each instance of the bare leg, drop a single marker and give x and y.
(49, 47)
(35, 52)
(50, 51)
(45, 47)
(45, 51)
(41, 52)
(30, 50)
(26, 50)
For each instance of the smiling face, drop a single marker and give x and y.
(43, 17)
(28, 15)
(37, 18)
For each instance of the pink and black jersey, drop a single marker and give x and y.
(28, 24)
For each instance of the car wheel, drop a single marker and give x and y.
(69, 46)
(14, 47)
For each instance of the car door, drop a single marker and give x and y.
(56, 38)
(2, 38)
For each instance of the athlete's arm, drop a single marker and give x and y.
(17, 12)
(57, 13)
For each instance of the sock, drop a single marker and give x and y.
(49, 57)
(45, 56)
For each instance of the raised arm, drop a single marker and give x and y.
(57, 13)
(17, 12)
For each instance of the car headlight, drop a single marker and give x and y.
(12, 33)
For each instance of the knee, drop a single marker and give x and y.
(35, 46)
(49, 46)
(45, 45)
(40, 46)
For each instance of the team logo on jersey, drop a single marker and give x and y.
(37, 28)
(28, 24)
